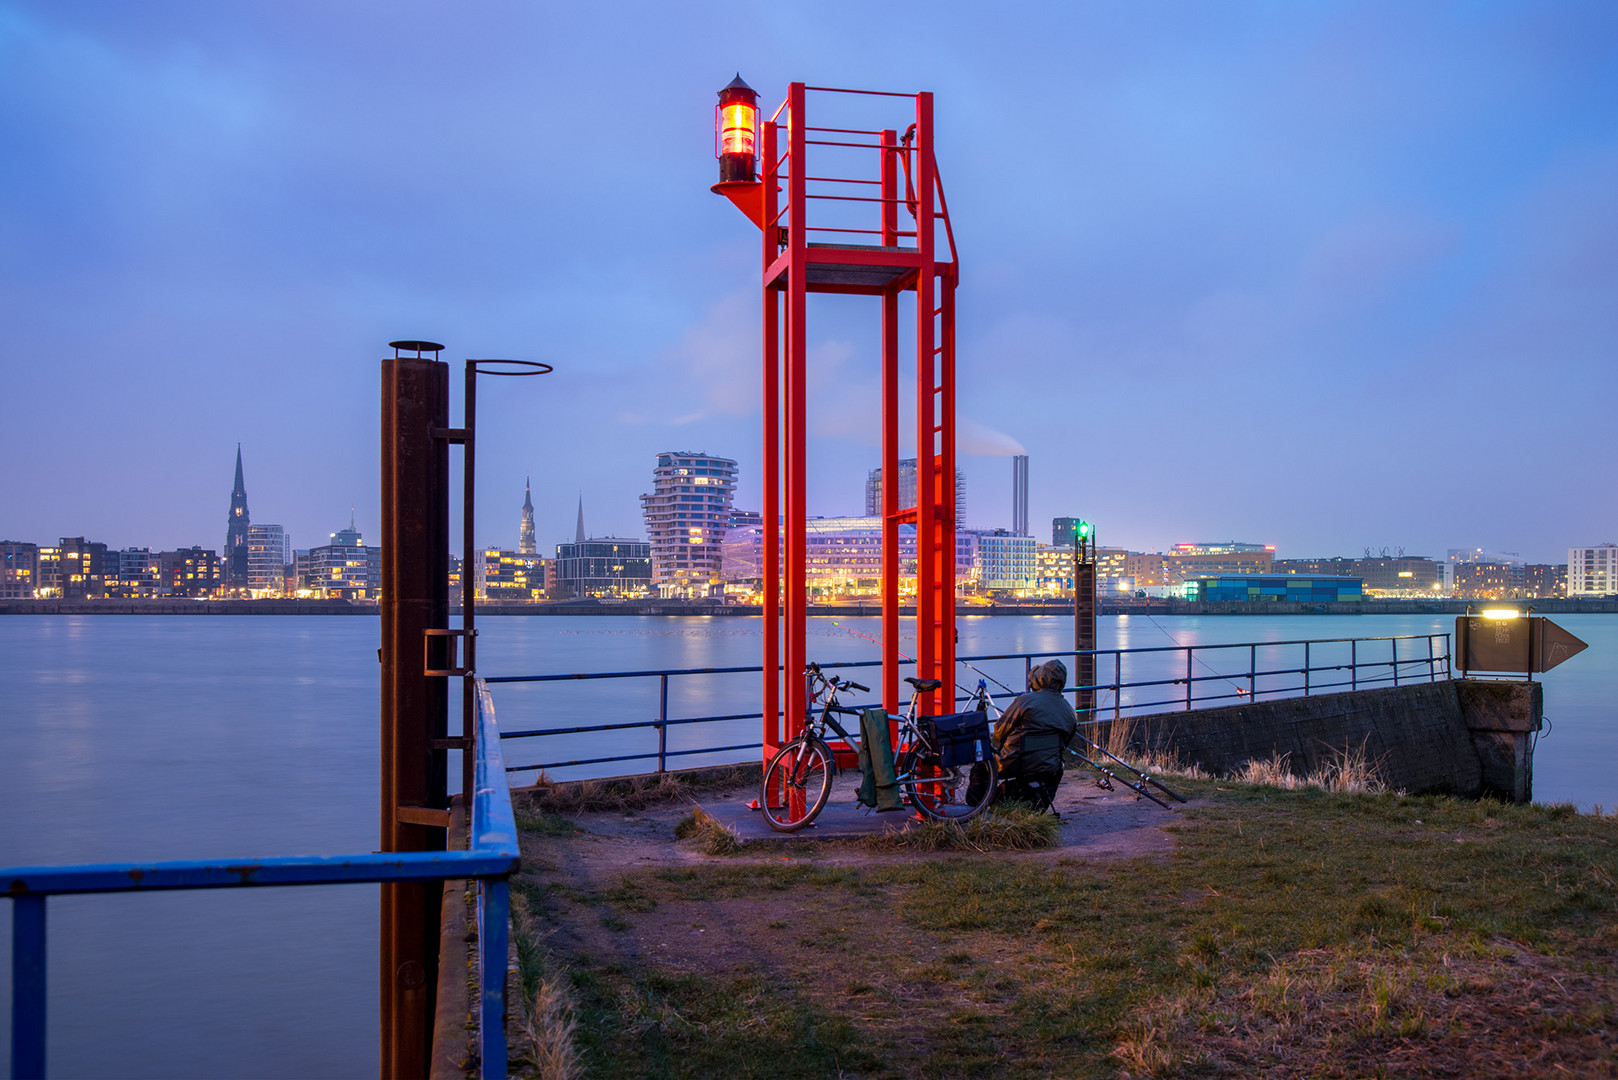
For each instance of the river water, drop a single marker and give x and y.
(143, 738)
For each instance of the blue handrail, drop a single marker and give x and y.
(491, 857)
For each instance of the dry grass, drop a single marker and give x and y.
(1350, 771)
(1000, 828)
(713, 835)
(545, 1022)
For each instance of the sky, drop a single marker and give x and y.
(1327, 276)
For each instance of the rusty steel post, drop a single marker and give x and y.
(415, 586)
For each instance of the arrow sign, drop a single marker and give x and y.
(1552, 645)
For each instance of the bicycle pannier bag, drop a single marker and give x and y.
(959, 738)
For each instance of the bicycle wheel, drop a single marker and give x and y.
(796, 784)
(940, 791)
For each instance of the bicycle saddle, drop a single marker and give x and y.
(924, 685)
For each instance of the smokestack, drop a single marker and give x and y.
(1019, 494)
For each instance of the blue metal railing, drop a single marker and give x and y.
(1369, 662)
(490, 858)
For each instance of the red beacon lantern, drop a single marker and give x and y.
(735, 132)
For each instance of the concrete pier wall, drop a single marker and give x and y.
(1466, 737)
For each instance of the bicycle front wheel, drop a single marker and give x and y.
(796, 784)
(945, 792)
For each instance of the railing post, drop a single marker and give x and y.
(1252, 672)
(1354, 664)
(1306, 669)
(1449, 659)
(1189, 650)
(27, 985)
(1432, 670)
(494, 921)
(663, 722)
(1117, 683)
(1395, 643)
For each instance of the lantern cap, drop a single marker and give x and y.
(738, 83)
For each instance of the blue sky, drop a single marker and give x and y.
(1326, 276)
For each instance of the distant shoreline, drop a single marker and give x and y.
(1562, 606)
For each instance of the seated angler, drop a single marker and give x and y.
(1031, 735)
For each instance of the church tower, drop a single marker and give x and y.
(236, 531)
(525, 533)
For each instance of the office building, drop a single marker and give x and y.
(1004, 561)
(1401, 576)
(1544, 580)
(1592, 571)
(1053, 571)
(268, 553)
(604, 566)
(236, 525)
(1487, 581)
(133, 574)
(843, 558)
(346, 568)
(502, 576)
(190, 572)
(686, 514)
(907, 490)
(19, 570)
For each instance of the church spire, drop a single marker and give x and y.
(578, 536)
(236, 530)
(526, 544)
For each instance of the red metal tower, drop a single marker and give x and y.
(839, 185)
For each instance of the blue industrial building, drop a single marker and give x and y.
(1297, 588)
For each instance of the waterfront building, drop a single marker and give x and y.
(687, 513)
(1291, 588)
(268, 553)
(190, 572)
(525, 531)
(505, 576)
(236, 525)
(19, 569)
(907, 490)
(1592, 571)
(75, 569)
(133, 574)
(844, 558)
(1544, 580)
(1416, 575)
(1053, 570)
(1004, 561)
(604, 566)
(1173, 568)
(346, 568)
(1487, 581)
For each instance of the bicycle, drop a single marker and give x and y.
(798, 779)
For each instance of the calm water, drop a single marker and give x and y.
(153, 738)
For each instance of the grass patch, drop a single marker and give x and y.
(1291, 932)
(711, 834)
(541, 1027)
(1000, 828)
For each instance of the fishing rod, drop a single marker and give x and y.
(982, 696)
(1145, 776)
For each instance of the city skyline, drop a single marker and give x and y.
(1299, 274)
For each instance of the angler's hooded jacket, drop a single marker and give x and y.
(1041, 709)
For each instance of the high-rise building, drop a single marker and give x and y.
(236, 524)
(1019, 495)
(686, 515)
(268, 553)
(1005, 561)
(525, 531)
(907, 490)
(1592, 571)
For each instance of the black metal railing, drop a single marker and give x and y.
(1144, 680)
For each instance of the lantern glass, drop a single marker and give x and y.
(738, 128)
